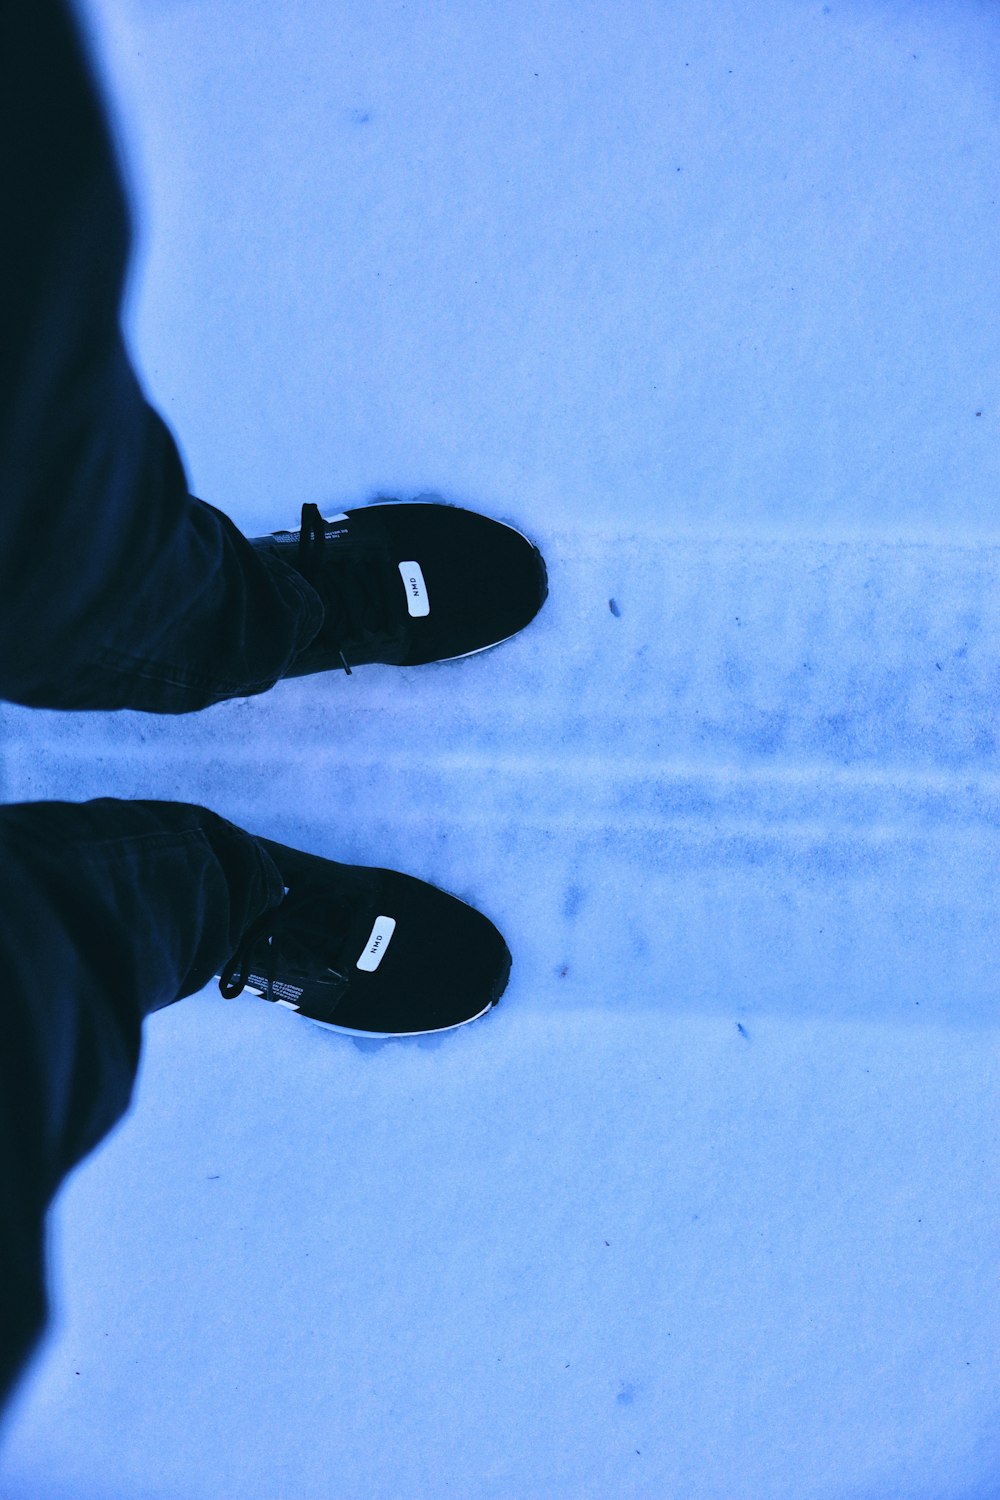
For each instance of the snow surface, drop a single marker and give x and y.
(703, 297)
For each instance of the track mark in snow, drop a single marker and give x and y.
(772, 775)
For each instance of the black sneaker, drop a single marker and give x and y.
(368, 951)
(410, 582)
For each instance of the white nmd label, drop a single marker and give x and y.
(416, 589)
(377, 944)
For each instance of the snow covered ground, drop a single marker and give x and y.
(702, 297)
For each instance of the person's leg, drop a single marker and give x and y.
(109, 910)
(118, 589)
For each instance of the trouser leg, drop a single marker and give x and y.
(108, 910)
(118, 589)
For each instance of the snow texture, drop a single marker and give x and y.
(700, 297)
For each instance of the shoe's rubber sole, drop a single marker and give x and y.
(374, 1036)
(463, 655)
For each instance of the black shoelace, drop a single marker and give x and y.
(349, 589)
(233, 979)
(302, 922)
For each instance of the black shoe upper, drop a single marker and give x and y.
(409, 583)
(369, 950)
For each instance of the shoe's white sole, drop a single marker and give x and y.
(463, 655)
(373, 1036)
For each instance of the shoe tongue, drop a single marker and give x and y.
(341, 932)
(360, 606)
(318, 927)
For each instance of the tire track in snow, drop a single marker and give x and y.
(771, 772)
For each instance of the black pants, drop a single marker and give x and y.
(118, 589)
